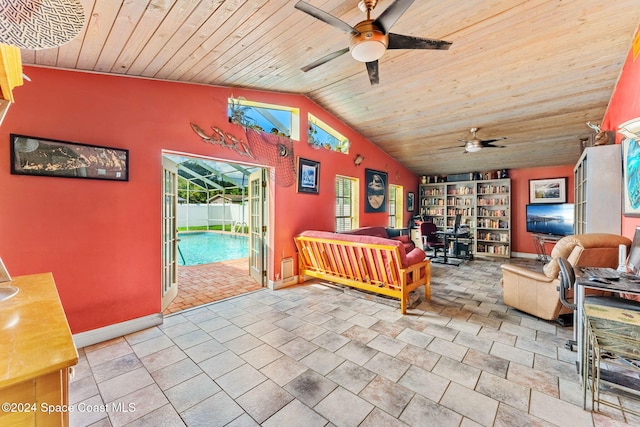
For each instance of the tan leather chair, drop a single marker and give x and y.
(537, 293)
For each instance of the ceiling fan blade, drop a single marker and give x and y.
(325, 59)
(399, 41)
(489, 141)
(372, 69)
(490, 145)
(325, 17)
(391, 14)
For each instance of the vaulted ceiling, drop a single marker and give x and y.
(534, 71)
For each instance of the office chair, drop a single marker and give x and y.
(430, 240)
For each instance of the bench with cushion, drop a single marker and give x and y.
(370, 263)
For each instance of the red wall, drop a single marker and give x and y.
(101, 239)
(623, 106)
(522, 241)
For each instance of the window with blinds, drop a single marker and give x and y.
(395, 206)
(346, 203)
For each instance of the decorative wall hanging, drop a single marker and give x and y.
(49, 157)
(411, 201)
(548, 190)
(266, 148)
(376, 182)
(308, 176)
(40, 24)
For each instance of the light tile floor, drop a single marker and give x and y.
(315, 355)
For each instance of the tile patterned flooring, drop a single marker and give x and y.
(314, 355)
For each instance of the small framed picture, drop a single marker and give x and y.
(308, 176)
(552, 190)
(410, 201)
(4, 274)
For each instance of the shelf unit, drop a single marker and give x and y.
(485, 206)
(598, 205)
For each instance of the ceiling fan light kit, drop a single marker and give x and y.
(369, 44)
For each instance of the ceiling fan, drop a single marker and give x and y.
(370, 38)
(475, 144)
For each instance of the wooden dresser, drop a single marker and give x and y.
(36, 353)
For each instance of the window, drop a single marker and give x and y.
(346, 203)
(266, 117)
(395, 206)
(321, 135)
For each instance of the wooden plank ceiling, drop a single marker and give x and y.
(534, 71)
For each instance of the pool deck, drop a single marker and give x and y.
(205, 283)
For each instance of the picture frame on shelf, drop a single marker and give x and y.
(376, 189)
(53, 158)
(630, 181)
(552, 190)
(411, 197)
(308, 176)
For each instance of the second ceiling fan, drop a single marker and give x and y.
(370, 38)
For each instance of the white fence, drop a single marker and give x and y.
(192, 215)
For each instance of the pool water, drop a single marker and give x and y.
(205, 248)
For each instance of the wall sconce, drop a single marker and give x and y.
(630, 129)
(358, 160)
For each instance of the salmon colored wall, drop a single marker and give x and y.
(623, 106)
(522, 240)
(101, 239)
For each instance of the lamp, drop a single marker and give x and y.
(369, 44)
(358, 160)
(631, 128)
(471, 147)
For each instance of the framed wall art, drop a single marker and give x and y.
(49, 157)
(376, 182)
(411, 201)
(630, 178)
(308, 176)
(552, 190)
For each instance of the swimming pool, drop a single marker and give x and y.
(205, 248)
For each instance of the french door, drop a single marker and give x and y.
(169, 232)
(258, 209)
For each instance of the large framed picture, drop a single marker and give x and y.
(308, 176)
(49, 157)
(376, 183)
(630, 178)
(552, 190)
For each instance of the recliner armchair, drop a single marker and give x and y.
(537, 293)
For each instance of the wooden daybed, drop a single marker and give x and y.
(370, 263)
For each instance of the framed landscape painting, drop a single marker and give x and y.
(552, 190)
(49, 157)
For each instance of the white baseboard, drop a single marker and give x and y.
(279, 284)
(116, 330)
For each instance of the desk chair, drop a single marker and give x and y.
(430, 240)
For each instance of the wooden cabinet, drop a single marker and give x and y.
(36, 353)
(598, 190)
(485, 206)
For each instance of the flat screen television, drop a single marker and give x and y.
(550, 218)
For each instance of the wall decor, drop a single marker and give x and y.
(411, 197)
(308, 176)
(376, 182)
(630, 179)
(49, 157)
(552, 190)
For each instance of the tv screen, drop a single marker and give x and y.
(550, 218)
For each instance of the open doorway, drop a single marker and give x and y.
(209, 214)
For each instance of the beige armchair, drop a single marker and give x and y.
(537, 293)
